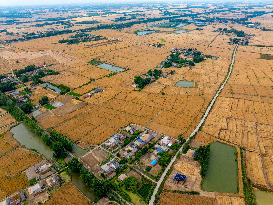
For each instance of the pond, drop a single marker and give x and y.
(185, 84)
(181, 25)
(28, 139)
(145, 32)
(263, 197)
(181, 31)
(51, 87)
(110, 67)
(222, 170)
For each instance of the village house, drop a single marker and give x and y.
(93, 92)
(15, 199)
(40, 170)
(130, 129)
(52, 181)
(110, 167)
(115, 140)
(35, 189)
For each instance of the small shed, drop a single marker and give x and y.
(179, 177)
(153, 162)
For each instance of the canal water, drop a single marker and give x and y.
(263, 197)
(76, 180)
(110, 67)
(185, 84)
(222, 175)
(28, 139)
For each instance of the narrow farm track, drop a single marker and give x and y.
(199, 125)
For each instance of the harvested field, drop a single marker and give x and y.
(184, 199)
(254, 168)
(6, 121)
(221, 200)
(40, 92)
(13, 163)
(13, 160)
(7, 143)
(243, 115)
(68, 195)
(162, 106)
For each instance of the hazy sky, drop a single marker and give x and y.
(52, 2)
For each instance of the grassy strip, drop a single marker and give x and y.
(74, 94)
(248, 189)
(49, 107)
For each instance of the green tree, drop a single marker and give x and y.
(74, 165)
(59, 150)
(24, 78)
(131, 184)
(44, 100)
(181, 139)
(202, 155)
(164, 159)
(26, 107)
(8, 86)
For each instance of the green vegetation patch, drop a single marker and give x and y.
(238, 33)
(248, 189)
(81, 38)
(148, 78)
(181, 57)
(266, 56)
(95, 62)
(202, 155)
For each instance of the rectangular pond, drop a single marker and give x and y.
(222, 175)
(185, 84)
(51, 87)
(145, 32)
(110, 67)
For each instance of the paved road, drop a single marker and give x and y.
(197, 128)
